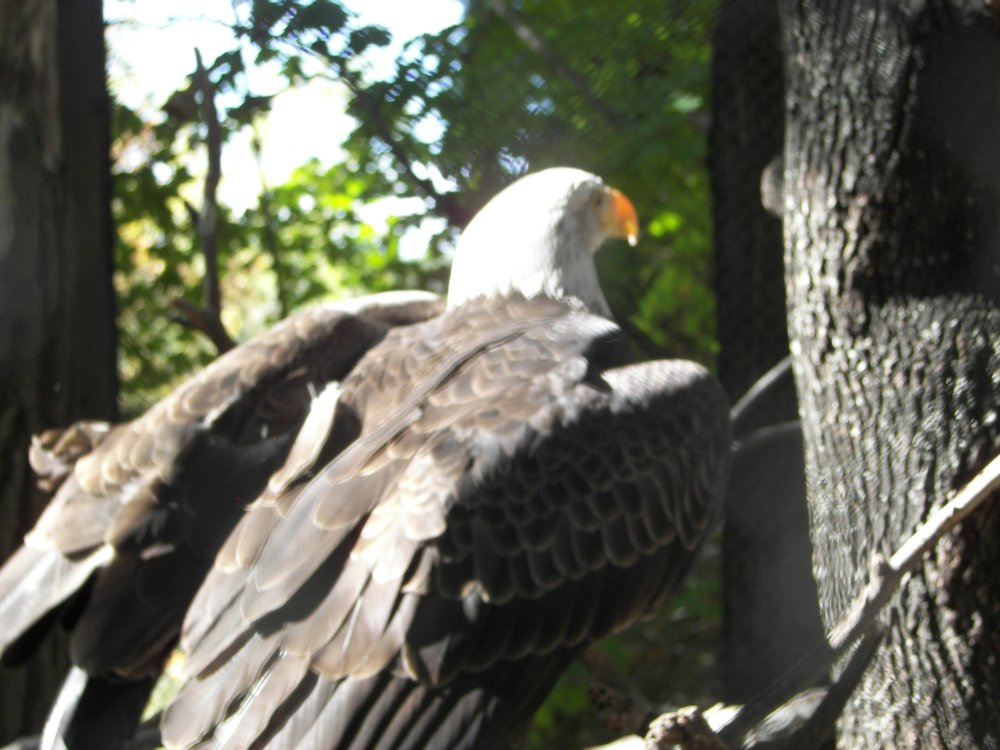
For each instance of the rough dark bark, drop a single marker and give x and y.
(57, 337)
(892, 181)
(769, 596)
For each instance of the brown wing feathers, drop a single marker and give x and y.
(145, 505)
(511, 505)
(471, 500)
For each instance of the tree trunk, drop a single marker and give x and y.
(771, 618)
(57, 335)
(892, 182)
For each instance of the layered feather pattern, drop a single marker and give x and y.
(517, 488)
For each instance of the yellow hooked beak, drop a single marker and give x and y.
(619, 218)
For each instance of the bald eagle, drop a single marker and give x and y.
(468, 499)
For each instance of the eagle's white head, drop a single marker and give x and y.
(538, 237)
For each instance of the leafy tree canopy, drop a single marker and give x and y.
(619, 89)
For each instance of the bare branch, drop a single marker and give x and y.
(686, 727)
(207, 320)
(887, 574)
(447, 204)
(209, 215)
(540, 47)
(204, 321)
(270, 239)
(759, 389)
(807, 721)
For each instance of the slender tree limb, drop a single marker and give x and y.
(207, 320)
(765, 383)
(766, 434)
(888, 574)
(209, 216)
(860, 624)
(204, 321)
(447, 204)
(540, 47)
(270, 239)
(807, 721)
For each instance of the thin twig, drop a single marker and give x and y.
(447, 204)
(759, 389)
(209, 217)
(203, 321)
(205, 221)
(888, 574)
(779, 431)
(540, 47)
(860, 623)
(811, 728)
(270, 238)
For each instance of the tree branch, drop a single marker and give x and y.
(270, 239)
(888, 574)
(209, 216)
(202, 320)
(540, 47)
(764, 384)
(860, 623)
(447, 204)
(766, 434)
(209, 319)
(807, 721)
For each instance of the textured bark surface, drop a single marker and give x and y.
(892, 183)
(57, 338)
(769, 597)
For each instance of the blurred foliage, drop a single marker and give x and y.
(620, 89)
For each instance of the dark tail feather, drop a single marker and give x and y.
(476, 711)
(95, 713)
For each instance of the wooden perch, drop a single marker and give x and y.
(736, 728)
(687, 728)
(888, 574)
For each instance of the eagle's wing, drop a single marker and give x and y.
(515, 490)
(140, 509)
